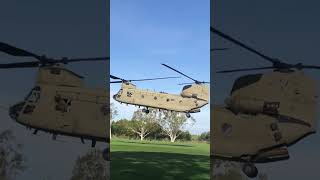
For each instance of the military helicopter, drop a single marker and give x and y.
(59, 103)
(193, 95)
(265, 113)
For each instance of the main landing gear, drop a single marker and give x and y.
(250, 170)
(145, 110)
(188, 115)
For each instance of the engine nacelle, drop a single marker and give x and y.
(199, 91)
(252, 106)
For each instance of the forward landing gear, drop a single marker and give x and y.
(250, 170)
(188, 115)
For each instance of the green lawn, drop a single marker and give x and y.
(155, 160)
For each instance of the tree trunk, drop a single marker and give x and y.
(173, 138)
(141, 137)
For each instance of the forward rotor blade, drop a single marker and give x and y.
(179, 72)
(20, 65)
(14, 51)
(150, 79)
(225, 36)
(66, 60)
(114, 77)
(245, 69)
(184, 83)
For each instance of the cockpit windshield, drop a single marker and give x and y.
(244, 81)
(34, 95)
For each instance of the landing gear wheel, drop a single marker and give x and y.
(188, 115)
(106, 154)
(250, 170)
(145, 111)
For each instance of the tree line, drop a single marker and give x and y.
(155, 125)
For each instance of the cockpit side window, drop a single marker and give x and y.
(186, 87)
(34, 95)
(63, 104)
(244, 81)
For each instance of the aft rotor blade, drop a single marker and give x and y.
(225, 36)
(20, 65)
(179, 72)
(150, 79)
(309, 67)
(114, 77)
(116, 81)
(245, 69)
(66, 60)
(14, 51)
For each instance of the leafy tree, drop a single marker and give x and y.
(142, 124)
(205, 136)
(113, 113)
(12, 159)
(157, 133)
(122, 128)
(184, 136)
(91, 166)
(173, 123)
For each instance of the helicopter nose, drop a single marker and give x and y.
(15, 110)
(115, 96)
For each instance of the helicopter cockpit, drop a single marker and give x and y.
(31, 99)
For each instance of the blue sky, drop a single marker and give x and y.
(146, 33)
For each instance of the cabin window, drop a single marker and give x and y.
(226, 129)
(129, 94)
(155, 98)
(168, 100)
(142, 96)
(62, 104)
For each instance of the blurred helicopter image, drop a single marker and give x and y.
(192, 97)
(265, 113)
(59, 103)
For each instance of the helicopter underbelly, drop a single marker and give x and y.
(161, 101)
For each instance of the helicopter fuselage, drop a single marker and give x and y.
(280, 107)
(59, 107)
(189, 101)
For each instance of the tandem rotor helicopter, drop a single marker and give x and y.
(192, 97)
(59, 103)
(265, 114)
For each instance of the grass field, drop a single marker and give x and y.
(158, 160)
